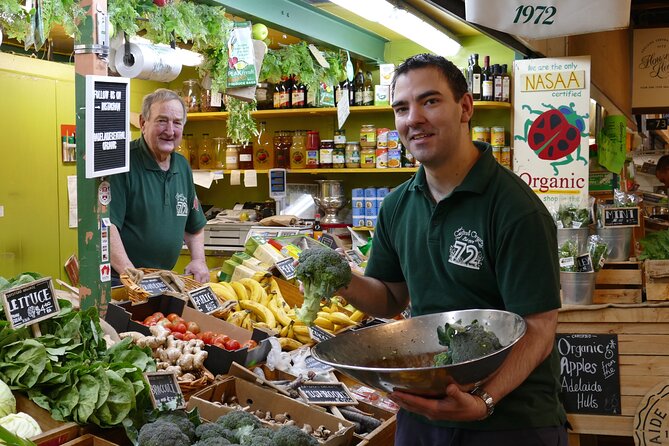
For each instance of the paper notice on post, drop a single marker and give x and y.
(72, 199)
(235, 177)
(343, 111)
(250, 178)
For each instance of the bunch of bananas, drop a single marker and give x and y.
(259, 303)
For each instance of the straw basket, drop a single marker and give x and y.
(134, 276)
(188, 388)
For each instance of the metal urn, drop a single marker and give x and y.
(330, 199)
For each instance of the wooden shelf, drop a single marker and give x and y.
(330, 111)
(329, 171)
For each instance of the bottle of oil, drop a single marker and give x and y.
(263, 152)
(317, 230)
(206, 158)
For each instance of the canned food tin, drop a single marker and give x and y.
(497, 153)
(505, 157)
(497, 137)
(393, 139)
(395, 157)
(382, 138)
(481, 134)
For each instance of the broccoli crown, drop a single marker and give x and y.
(293, 436)
(322, 271)
(465, 343)
(238, 418)
(180, 418)
(213, 441)
(162, 433)
(261, 436)
(208, 430)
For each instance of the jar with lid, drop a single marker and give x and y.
(264, 96)
(205, 153)
(313, 148)
(352, 154)
(263, 152)
(325, 154)
(184, 147)
(368, 136)
(282, 142)
(246, 156)
(232, 157)
(339, 151)
(298, 159)
(210, 102)
(190, 93)
(219, 152)
(368, 157)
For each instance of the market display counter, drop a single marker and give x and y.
(643, 358)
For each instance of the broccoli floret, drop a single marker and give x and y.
(465, 343)
(238, 418)
(322, 271)
(208, 430)
(293, 436)
(213, 441)
(162, 433)
(180, 418)
(259, 437)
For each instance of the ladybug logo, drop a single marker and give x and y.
(555, 134)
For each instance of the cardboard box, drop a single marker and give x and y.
(656, 273)
(54, 433)
(89, 440)
(258, 398)
(123, 316)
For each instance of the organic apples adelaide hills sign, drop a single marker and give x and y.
(551, 128)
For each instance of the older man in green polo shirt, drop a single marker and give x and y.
(154, 207)
(465, 232)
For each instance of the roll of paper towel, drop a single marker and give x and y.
(150, 62)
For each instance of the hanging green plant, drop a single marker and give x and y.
(241, 127)
(17, 22)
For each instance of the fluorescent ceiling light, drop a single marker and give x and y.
(404, 23)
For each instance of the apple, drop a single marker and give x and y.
(259, 31)
(160, 3)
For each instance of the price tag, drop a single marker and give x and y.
(314, 364)
(621, 217)
(204, 299)
(584, 263)
(318, 334)
(165, 390)
(30, 303)
(353, 256)
(318, 56)
(155, 285)
(286, 268)
(327, 394)
(328, 241)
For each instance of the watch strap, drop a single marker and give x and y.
(487, 399)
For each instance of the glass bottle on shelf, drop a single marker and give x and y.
(368, 90)
(298, 158)
(352, 154)
(298, 94)
(184, 147)
(313, 147)
(317, 229)
(497, 80)
(206, 159)
(359, 88)
(486, 81)
(232, 157)
(190, 93)
(476, 78)
(263, 152)
(282, 149)
(246, 156)
(325, 154)
(219, 152)
(339, 151)
(506, 85)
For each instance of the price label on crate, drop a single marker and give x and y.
(318, 334)
(204, 299)
(327, 394)
(353, 256)
(155, 285)
(286, 268)
(314, 364)
(30, 303)
(165, 390)
(620, 217)
(328, 241)
(584, 263)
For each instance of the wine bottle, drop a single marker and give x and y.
(359, 87)
(497, 82)
(476, 78)
(486, 81)
(368, 90)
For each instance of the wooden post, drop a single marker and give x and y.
(90, 213)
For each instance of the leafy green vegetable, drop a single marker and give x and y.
(572, 217)
(241, 127)
(655, 246)
(465, 343)
(597, 248)
(567, 254)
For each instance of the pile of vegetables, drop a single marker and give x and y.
(17, 423)
(571, 217)
(465, 343)
(655, 246)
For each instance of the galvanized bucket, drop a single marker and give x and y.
(578, 235)
(577, 288)
(619, 241)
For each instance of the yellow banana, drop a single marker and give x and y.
(240, 290)
(289, 344)
(325, 309)
(280, 315)
(261, 312)
(252, 288)
(230, 294)
(339, 318)
(357, 316)
(301, 330)
(286, 328)
(264, 297)
(237, 317)
(291, 332)
(260, 325)
(304, 339)
(324, 323)
(247, 322)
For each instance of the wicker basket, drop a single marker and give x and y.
(188, 388)
(134, 276)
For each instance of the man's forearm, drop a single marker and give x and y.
(119, 258)
(374, 297)
(195, 243)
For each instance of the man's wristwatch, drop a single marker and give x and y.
(487, 399)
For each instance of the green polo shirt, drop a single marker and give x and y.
(490, 244)
(152, 208)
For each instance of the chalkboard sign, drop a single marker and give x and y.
(620, 217)
(656, 124)
(327, 394)
(165, 390)
(204, 299)
(107, 125)
(328, 241)
(589, 373)
(353, 256)
(314, 364)
(286, 268)
(584, 263)
(30, 303)
(318, 334)
(155, 285)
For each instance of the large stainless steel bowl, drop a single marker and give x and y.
(399, 355)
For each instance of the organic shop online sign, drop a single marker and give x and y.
(30, 303)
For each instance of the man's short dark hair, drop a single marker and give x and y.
(453, 75)
(662, 163)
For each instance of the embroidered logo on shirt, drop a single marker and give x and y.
(466, 249)
(182, 205)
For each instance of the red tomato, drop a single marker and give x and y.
(189, 335)
(219, 345)
(250, 344)
(178, 335)
(173, 316)
(221, 338)
(150, 320)
(232, 345)
(165, 323)
(206, 336)
(158, 315)
(179, 326)
(192, 326)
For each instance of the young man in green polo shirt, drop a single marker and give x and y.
(464, 233)
(154, 207)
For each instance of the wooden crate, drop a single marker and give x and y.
(657, 279)
(619, 283)
(643, 356)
